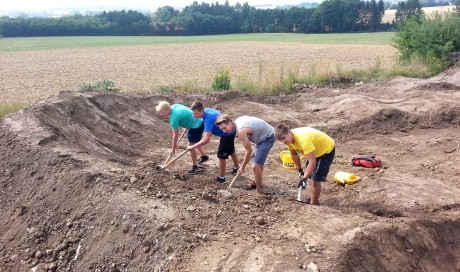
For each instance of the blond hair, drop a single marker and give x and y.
(163, 105)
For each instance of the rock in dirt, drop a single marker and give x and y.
(312, 267)
(260, 220)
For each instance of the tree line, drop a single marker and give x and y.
(331, 16)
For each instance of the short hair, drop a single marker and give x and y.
(197, 105)
(223, 118)
(281, 130)
(163, 105)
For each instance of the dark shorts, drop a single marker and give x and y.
(262, 149)
(226, 146)
(323, 164)
(194, 134)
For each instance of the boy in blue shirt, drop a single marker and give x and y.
(182, 116)
(227, 140)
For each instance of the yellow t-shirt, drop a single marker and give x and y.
(307, 139)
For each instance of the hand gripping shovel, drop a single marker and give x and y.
(175, 159)
(299, 192)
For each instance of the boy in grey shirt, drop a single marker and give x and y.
(251, 129)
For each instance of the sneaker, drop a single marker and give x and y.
(220, 180)
(193, 170)
(235, 170)
(203, 159)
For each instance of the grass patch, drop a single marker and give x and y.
(56, 43)
(286, 81)
(289, 80)
(101, 86)
(10, 108)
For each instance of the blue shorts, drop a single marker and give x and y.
(262, 149)
(323, 164)
(194, 134)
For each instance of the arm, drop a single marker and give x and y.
(174, 141)
(311, 158)
(206, 138)
(243, 136)
(295, 157)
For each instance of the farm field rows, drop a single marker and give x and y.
(27, 75)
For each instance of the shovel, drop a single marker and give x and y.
(233, 180)
(178, 140)
(175, 159)
(299, 194)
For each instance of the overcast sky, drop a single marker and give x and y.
(39, 5)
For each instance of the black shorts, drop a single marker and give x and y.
(226, 146)
(194, 134)
(323, 164)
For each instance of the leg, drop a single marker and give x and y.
(222, 165)
(260, 155)
(319, 175)
(201, 150)
(236, 163)
(193, 154)
(315, 191)
(226, 147)
(257, 169)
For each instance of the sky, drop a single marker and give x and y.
(43, 5)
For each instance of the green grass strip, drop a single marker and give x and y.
(56, 43)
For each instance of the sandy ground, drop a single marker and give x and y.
(80, 190)
(28, 76)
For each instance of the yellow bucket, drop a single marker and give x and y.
(288, 163)
(346, 178)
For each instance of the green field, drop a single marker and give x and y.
(53, 43)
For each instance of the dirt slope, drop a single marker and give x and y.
(79, 189)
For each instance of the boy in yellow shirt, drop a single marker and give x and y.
(317, 148)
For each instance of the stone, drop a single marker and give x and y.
(260, 220)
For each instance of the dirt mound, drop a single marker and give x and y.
(386, 121)
(80, 190)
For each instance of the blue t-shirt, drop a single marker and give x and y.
(209, 118)
(182, 116)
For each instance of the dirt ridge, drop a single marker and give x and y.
(80, 191)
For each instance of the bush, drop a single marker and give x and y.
(104, 86)
(221, 80)
(431, 41)
(166, 90)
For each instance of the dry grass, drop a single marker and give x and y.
(389, 15)
(29, 76)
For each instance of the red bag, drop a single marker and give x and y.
(366, 161)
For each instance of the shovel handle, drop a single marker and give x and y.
(167, 159)
(180, 137)
(178, 140)
(175, 159)
(233, 180)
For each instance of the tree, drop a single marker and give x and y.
(431, 40)
(164, 14)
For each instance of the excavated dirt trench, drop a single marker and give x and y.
(80, 191)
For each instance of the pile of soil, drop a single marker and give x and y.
(80, 188)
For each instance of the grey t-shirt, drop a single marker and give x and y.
(260, 129)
